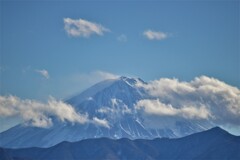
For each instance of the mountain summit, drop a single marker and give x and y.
(110, 102)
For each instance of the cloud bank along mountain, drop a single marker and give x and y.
(39, 114)
(203, 98)
(124, 107)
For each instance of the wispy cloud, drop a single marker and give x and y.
(83, 28)
(122, 38)
(202, 98)
(101, 122)
(94, 77)
(105, 75)
(43, 73)
(116, 109)
(155, 35)
(78, 81)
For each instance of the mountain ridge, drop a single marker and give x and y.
(211, 144)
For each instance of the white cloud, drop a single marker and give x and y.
(155, 35)
(93, 77)
(155, 107)
(44, 73)
(76, 82)
(117, 108)
(83, 28)
(204, 98)
(38, 114)
(35, 113)
(104, 75)
(122, 38)
(101, 122)
(114, 111)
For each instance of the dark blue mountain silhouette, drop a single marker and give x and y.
(215, 143)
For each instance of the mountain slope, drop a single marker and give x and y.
(4, 155)
(211, 144)
(112, 100)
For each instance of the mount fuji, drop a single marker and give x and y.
(112, 100)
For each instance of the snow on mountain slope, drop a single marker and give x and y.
(111, 100)
(76, 100)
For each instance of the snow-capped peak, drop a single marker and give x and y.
(111, 105)
(131, 81)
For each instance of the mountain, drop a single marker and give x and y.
(4, 155)
(211, 144)
(112, 100)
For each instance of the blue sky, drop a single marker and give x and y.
(39, 58)
(203, 39)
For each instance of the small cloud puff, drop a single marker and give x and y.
(43, 73)
(155, 35)
(101, 122)
(83, 28)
